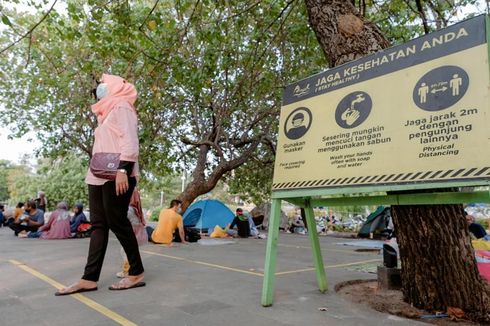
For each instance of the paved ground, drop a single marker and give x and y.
(186, 285)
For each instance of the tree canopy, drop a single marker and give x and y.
(209, 73)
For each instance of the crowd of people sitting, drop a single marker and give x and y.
(30, 220)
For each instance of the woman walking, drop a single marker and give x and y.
(109, 195)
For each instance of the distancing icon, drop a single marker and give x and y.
(440, 88)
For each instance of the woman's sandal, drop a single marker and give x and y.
(124, 284)
(81, 290)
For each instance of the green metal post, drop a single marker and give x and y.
(315, 247)
(271, 254)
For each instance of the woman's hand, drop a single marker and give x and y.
(121, 183)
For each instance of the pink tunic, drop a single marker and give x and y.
(58, 226)
(118, 133)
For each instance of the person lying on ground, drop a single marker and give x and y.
(169, 221)
(476, 229)
(30, 222)
(58, 226)
(78, 218)
(137, 219)
(242, 223)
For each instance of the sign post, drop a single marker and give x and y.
(415, 116)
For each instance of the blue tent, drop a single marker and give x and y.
(206, 214)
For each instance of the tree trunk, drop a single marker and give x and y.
(438, 263)
(202, 184)
(191, 192)
(197, 186)
(342, 33)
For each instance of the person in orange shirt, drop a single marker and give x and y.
(19, 211)
(168, 222)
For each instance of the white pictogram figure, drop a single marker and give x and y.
(351, 114)
(455, 84)
(423, 91)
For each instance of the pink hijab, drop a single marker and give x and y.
(118, 90)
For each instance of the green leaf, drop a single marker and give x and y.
(6, 21)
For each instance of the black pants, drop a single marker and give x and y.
(19, 228)
(108, 211)
(149, 231)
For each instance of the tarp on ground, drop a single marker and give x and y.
(206, 214)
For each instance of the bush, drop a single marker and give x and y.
(154, 214)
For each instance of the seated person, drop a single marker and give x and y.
(242, 223)
(78, 218)
(297, 226)
(30, 222)
(18, 211)
(2, 217)
(58, 226)
(169, 221)
(8, 216)
(41, 201)
(475, 229)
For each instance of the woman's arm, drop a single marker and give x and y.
(127, 126)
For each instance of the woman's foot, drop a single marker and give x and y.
(129, 282)
(80, 286)
(22, 234)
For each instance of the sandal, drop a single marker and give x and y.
(80, 290)
(125, 284)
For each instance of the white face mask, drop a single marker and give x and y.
(179, 210)
(101, 91)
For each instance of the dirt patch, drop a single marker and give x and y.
(368, 250)
(366, 292)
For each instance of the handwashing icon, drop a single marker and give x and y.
(351, 115)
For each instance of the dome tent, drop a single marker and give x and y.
(206, 214)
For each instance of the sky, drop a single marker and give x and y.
(13, 150)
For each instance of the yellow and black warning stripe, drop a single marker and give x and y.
(402, 178)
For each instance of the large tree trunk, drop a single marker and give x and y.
(342, 33)
(199, 185)
(438, 263)
(202, 184)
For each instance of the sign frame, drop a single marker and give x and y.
(335, 155)
(315, 197)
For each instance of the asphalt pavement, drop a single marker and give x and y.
(197, 284)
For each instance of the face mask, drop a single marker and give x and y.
(179, 210)
(101, 91)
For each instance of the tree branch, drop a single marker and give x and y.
(149, 14)
(420, 9)
(30, 30)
